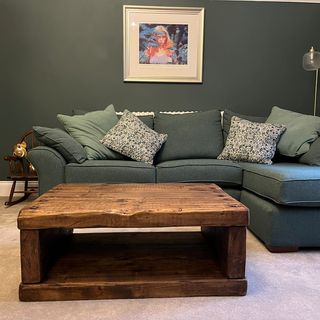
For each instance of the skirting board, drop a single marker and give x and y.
(5, 187)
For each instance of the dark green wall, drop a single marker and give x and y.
(59, 54)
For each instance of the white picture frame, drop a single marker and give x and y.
(163, 44)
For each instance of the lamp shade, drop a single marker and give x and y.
(311, 60)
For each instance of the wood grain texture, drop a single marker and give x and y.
(134, 265)
(229, 243)
(133, 205)
(38, 249)
(30, 255)
(208, 287)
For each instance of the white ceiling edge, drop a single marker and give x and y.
(300, 1)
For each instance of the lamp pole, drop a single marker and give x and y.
(315, 94)
(311, 62)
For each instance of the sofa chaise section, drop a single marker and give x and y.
(290, 184)
(284, 201)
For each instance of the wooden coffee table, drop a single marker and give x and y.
(57, 264)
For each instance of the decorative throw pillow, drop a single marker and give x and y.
(251, 141)
(60, 140)
(301, 131)
(89, 129)
(190, 135)
(228, 114)
(132, 138)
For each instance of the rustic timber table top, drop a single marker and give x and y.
(133, 205)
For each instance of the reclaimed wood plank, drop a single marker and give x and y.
(38, 249)
(133, 205)
(177, 288)
(230, 245)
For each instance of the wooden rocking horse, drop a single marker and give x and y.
(21, 169)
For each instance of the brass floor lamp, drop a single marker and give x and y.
(311, 62)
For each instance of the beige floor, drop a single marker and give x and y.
(281, 286)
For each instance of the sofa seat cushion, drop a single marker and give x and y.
(285, 183)
(109, 171)
(221, 172)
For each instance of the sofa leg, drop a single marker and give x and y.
(276, 249)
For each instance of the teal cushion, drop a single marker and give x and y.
(228, 114)
(301, 131)
(291, 184)
(193, 135)
(110, 171)
(146, 119)
(312, 157)
(221, 172)
(89, 129)
(61, 141)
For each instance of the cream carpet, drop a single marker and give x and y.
(281, 286)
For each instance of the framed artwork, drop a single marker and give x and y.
(163, 44)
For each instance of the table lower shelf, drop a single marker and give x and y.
(134, 265)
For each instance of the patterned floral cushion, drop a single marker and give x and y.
(132, 138)
(251, 141)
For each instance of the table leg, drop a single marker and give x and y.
(229, 244)
(38, 248)
(31, 268)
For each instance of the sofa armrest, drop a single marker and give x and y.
(49, 165)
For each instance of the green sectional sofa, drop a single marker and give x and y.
(283, 198)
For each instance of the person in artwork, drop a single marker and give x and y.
(163, 52)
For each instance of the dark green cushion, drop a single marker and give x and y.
(110, 171)
(221, 172)
(89, 129)
(228, 114)
(61, 141)
(147, 119)
(312, 157)
(291, 184)
(301, 131)
(195, 135)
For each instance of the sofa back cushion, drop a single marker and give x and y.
(190, 136)
(312, 157)
(301, 131)
(145, 117)
(89, 129)
(61, 141)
